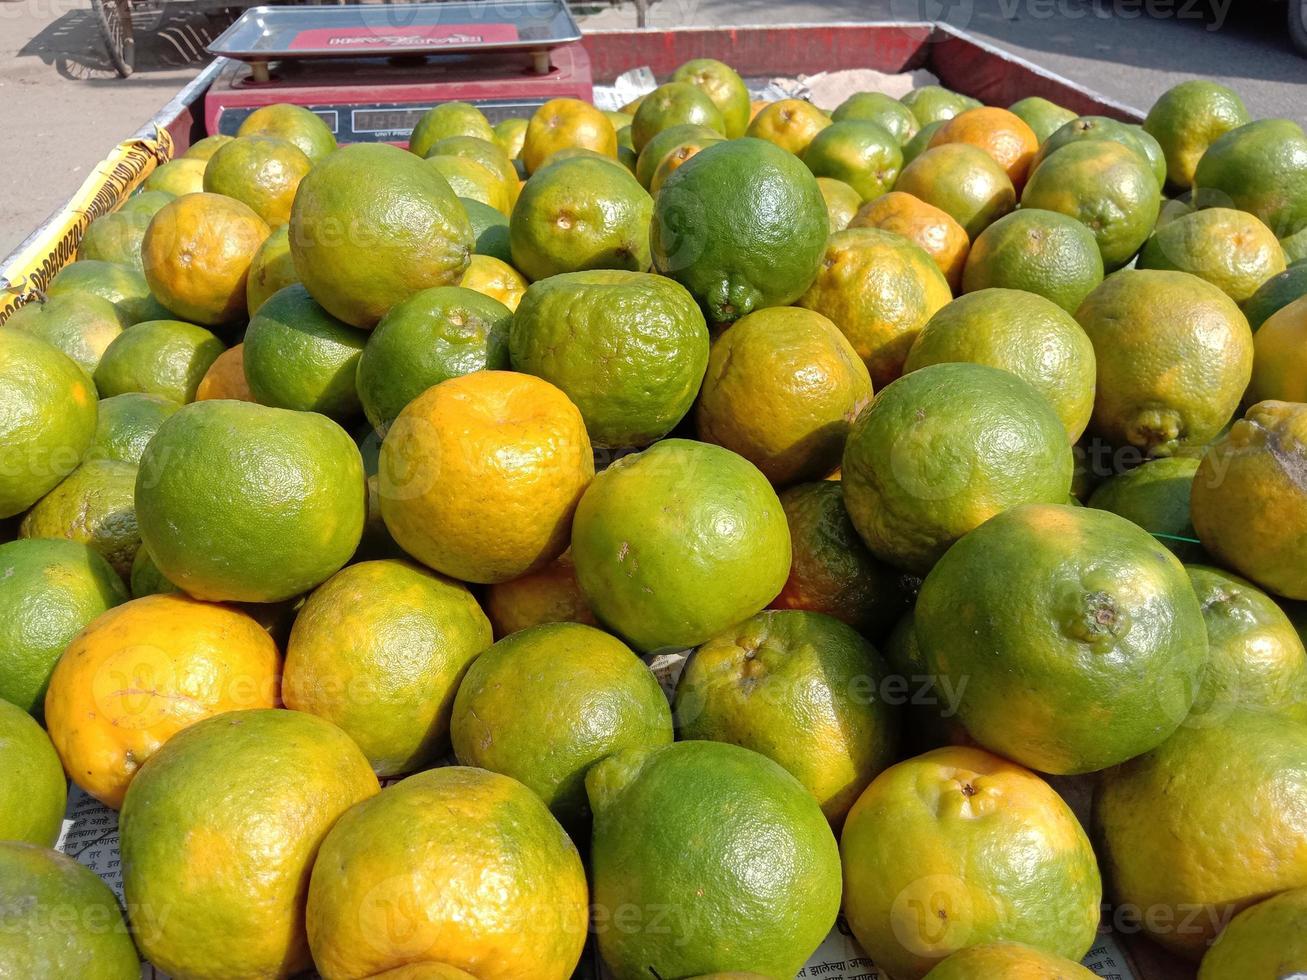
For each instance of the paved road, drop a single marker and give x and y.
(61, 109)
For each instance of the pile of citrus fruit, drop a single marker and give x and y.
(957, 456)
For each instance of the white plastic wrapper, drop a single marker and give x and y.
(626, 87)
(825, 90)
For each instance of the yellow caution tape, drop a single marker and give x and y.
(39, 259)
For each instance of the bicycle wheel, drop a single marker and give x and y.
(115, 19)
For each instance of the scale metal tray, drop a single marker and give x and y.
(268, 33)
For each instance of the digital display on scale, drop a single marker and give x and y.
(387, 120)
(382, 122)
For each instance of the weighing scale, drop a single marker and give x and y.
(372, 70)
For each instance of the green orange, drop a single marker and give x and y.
(445, 120)
(93, 505)
(1247, 500)
(1269, 939)
(480, 475)
(566, 124)
(715, 799)
(862, 153)
(943, 450)
(1104, 128)
(676, 543)
(33, 788)
(380, 649)
(516, 709)
(790, 124)
(146, 670)
(211, 492)
(115, 237)
(511, 135)
(146, 202)
(925, 225)
(720, 217)
(842, 202)
(371, 225)
(1107, 186)
(62, 920)
(675, 158)
(1230, 249)
(880, 290)
(489, 229)
(206, 147)
(672, 104)
(549, 595)
(1271, 296)
(52, 589)
(121, 285)
(179, 177)
(663, 142)
(301, 126)
(1279, 356)
(469, 178)
(432, 336)
(724, 86)
(82, 325)
(961, 180)
(782, 387)
(918, 145)
(200, 868)
(1042, 116)
(458, 865)
(1174, 356)
(801, 688)
(1038, 251)
(1002, 135)
(1156, 497)
(167, 358)
(48, 413)
(1259, 168)
(1106, 617)
(884, 110)
(959, 847)
(1255, 660)
(1021, 332)
(487, 153)
(1188, 118)
(272, 269)
(1205, 825)
(628, 348)
(832, 572)
(261, 171)
(299, 356)
(197, 254)
(933, 103)
(577, 214)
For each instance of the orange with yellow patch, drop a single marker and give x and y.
(479, 476)
(1002, 134)
(142, 672)
(959, 847)
(790, 123)
(197, 254)
(942, 238)
(226, 378)
(563, 123)
(456, 865)
(495, 278)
